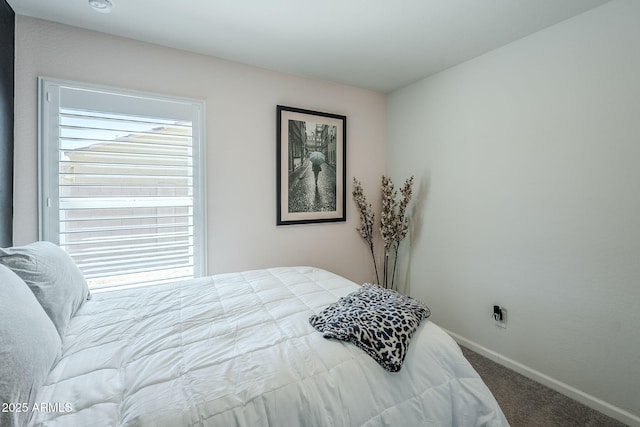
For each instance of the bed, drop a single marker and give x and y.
(226, 350)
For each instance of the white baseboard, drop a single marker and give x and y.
(572, 392)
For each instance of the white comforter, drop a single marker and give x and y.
(237, 349)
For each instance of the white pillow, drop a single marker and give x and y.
(29, 346)
(53, 277)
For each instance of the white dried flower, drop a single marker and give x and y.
(387, 217)
(365, 210)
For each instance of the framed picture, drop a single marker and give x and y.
(310, 166)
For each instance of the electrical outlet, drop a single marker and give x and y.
(500, 316)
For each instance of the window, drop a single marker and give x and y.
(121, 183)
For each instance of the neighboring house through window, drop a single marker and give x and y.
(121, 182)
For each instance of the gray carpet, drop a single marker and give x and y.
(527, 403)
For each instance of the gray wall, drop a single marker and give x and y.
(527, 163)
(7, 31)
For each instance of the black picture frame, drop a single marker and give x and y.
(311, 188)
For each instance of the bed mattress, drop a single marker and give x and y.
(238, 350)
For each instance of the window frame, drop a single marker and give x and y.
(48, 160)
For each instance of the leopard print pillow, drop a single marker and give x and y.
(379, 321)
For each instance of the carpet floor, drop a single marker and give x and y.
(527, 403)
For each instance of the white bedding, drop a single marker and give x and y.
(238, 349)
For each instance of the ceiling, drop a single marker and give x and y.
(375, 44)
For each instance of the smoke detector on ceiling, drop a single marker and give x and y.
(102, 6)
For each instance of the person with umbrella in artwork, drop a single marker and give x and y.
(317, 159)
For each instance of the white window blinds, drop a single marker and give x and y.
(121, 183)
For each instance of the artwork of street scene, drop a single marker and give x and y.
(312, 166)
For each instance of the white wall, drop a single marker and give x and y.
(528, 165)
(241, 132)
